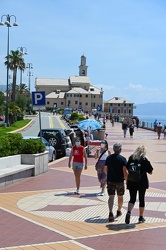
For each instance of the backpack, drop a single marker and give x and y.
(134, 173)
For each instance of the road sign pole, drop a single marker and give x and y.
(40, 124)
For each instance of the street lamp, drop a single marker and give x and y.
(8, 24)
(23, 51)
(29, 74)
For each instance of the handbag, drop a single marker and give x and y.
(96, 165)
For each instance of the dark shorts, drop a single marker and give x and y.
(115, 186)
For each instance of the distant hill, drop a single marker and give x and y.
(150, 108)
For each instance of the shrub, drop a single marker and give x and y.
(32, 146)
(13, 144)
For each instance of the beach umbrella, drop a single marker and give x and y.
(89, 123)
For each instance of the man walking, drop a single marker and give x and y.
(115, 169)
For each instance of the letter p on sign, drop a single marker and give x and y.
(38, 98)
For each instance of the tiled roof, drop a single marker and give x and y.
(55, 95)
(79, 79)
(51, 81)
(118, 100)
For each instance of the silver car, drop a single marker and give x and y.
(49, 148)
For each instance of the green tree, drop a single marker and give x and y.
(2, 103)
(16, 61)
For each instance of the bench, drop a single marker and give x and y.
(12, 170)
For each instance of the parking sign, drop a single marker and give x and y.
(38, 100)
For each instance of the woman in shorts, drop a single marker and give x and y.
(78, 154)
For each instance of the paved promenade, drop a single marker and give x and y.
(43, 213)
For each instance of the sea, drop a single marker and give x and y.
(149, 120)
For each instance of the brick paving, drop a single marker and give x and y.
(43, 213)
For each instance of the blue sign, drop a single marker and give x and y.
(99, 108)
(38, 98)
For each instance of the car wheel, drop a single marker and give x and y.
(53, 141)
(53, 156)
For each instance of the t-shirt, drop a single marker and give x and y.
(78, 154)
(115, 163)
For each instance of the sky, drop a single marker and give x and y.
(124, 42)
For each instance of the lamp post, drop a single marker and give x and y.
(29, 74)
(23, 51)
(8, 24)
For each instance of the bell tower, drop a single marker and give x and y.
(83, 68)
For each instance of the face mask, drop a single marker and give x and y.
(102, 145)
(77, 143)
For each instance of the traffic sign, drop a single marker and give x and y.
(38, 98)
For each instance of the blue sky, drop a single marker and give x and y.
(124, 42)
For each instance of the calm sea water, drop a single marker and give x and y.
(149, 119)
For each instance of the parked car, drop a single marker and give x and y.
(56, 138)
(49, 148)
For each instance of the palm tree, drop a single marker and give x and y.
(16, 61)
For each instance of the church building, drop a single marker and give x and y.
(75, 92)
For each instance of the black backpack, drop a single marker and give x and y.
(134, 173)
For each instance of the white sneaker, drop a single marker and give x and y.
(77, 192)
(101, 194)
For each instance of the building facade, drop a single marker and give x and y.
(76, 92)
(119, 106)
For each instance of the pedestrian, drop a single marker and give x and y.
(102, 155)
(139, 156)
(72, 136)
(114, 167)
(131, 129)
(78, 154)
(159, 129)
(124, 127)
(155, 125)
(164, 131)
(137, 122)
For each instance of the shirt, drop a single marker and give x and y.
(78, 154)
(115, 163)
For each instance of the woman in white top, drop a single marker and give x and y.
(101, 155)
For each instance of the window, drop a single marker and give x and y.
(61, 103)
(93, 104)
(69, 102)
(129, 105)
(48, 102)
(124, 104)
(129, 111)
(83, 72)
(86, 96)
(110, 104)
(76, 102)
(80, 95)
(86, 103)
(93, 96)
(67, 95)
(118, 111)
(70, 95)
(75, 95)
(118, 104)
(124, 111)
(80, 103)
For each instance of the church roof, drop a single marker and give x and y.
(79, 79)
(51, 81)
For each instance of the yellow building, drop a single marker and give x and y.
(76, 92)
(119, 106)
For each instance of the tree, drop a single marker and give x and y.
(16, 61)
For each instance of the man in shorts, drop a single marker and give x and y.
(114, 167)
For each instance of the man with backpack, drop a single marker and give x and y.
(114, 167)
(137, 181)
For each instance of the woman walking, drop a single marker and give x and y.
(78, 154)
(101, 155)
(138, 157)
